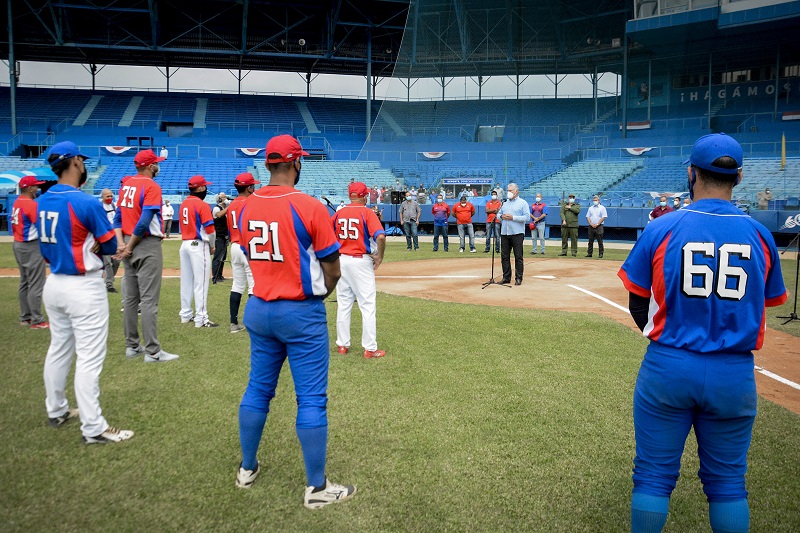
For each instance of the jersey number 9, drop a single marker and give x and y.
(185, 216)
(264, 233)
(724, 271)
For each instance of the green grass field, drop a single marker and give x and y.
(479, 419)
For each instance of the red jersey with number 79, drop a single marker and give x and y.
(356, 227)
(135, 194)
(284, 232)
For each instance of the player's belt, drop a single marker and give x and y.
(356, 256)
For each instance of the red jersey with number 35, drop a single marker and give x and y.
(284, 232)
(232, 215)
(135, 194)
(357, 226)
(196, 219)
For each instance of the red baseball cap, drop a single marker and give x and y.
(29, 181)
(146, 157)
(357, 188)
(197, 181)
(245, 178)
(286, 146)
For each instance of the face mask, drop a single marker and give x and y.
(439, 200)
(200, 195)
(494, 197)
(108, 200)
(84, 177)
(510, 195)
(156, 171)
(685, 204)
(571, 201)
(538, 200)
(408, 198)
(596, 202)
(663, 204)
(464, 202)
(677, 204)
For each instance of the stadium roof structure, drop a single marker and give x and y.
(428, 37)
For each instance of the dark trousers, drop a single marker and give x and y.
(440, 230)
(220, 254)
(507, 243)
(595, 233)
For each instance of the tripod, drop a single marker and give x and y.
(493, 246)
(793, 315)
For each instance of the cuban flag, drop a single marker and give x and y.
(117, 150)
(790, 115)
(432, 155)
(251, 152)
(643, 125)
(637, 151)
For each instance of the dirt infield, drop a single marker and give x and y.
(554, 283)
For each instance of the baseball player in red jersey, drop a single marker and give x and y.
(139, 234)
(245, 185)
(363, 241)
(294, 256)
(74, 235)
(27, 254)
(197, 232)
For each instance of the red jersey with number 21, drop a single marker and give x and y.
(284, 232)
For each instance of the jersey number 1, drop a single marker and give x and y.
(265, 233)
(724, 271)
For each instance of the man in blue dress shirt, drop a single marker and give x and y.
(514, 214)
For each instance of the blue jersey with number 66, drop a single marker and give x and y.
(709, 271)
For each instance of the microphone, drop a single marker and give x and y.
(330, 205)
(505, 200)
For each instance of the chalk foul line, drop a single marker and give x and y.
(760, 370)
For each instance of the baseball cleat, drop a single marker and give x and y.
(160, 357)
(330, 493)
(25, 323)
(187, 320)
(372, 354)
(245, 478)
(61, 420)
(40, 325)
(130, 353)
(236, 328)
(207, 324)
(111, 290)
(343, 349)
(110, 435)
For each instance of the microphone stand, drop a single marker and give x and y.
(793, 315)
(330, 205)
(491, 279)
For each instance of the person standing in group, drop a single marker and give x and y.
(440, 212)
(699, 282)
(139, 235)
(167, 213)
(687, 202)
(569, 225)
(74, 234)
(493, 223)
(514, 214)
(676, 203)
(661, 209)
(538, 215)
(110, 264)
(24, 220)
(294, 256)
(464, 211)
(221, 241)
(409, 218)
(596, 216)
(362, 241)
(197, 232)
(245, 185)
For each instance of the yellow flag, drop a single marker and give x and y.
(783, 152)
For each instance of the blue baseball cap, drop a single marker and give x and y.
(709, 148)
(65, 150)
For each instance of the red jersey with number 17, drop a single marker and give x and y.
(196, 215)
(135, 194)
(357, 226)
(232, 215)
(284, 232)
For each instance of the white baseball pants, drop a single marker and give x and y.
(357, 283)
(77, 307)
(241, 270)
(195, 274)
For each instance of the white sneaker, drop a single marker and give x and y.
(246, 478)
(111, 434)
(160, 357)
(332, 493)
(461, 251)
(473, 251)
(130, 353)
(236, 328)
(187, 320)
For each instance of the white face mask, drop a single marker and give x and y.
(538, 200)
(596, 202)
(439, 200)
(510, 195)
(571, 200)
(494, 197)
